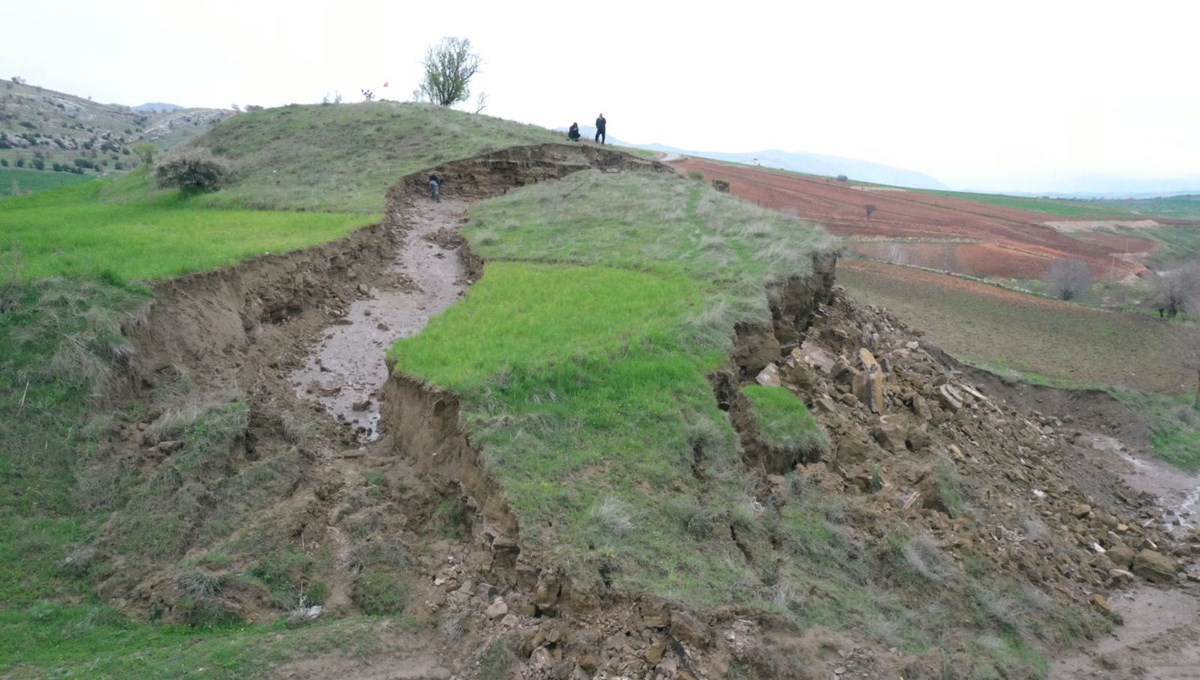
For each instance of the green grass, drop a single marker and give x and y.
(1174, 425)
(1179, 207)
(1055, 207)
(70, 232)
(17, 182)
(606, 300)
(343, 157)
(783, 419)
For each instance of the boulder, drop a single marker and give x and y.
(1154, 566)
(949, 397)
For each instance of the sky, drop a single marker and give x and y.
(1001, 96)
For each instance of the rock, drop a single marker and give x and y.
(891, 435)
(169, 445)
(362, 403)
(496, 609)
(1154, 566)
(769, 376)
(950, 398)
(1121, 555)
(654, 653)
(918, 439)
(1081, 510)
(690, 630)
(920, 407)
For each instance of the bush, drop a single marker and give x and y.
(195, 172)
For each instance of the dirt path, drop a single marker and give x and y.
(1160, 634)
(346, 370)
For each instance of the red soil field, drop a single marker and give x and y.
(948, 233)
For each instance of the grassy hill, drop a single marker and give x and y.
(46, 131)
(342, 157)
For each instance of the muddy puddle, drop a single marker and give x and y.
(346, 371)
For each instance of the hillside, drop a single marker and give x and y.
(628, 427)
(51, 131)
(343, 157)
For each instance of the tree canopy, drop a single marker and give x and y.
(449, 67)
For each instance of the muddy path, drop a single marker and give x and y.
(345, 370)
(1159, 635)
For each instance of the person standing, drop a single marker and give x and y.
(601, 124)
(435, 188)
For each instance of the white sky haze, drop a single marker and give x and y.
(992, 95)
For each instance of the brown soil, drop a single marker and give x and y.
(266, 327)
(975, 238)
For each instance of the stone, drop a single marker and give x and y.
(868, 387)
(1154, 566)
(496, 609)
(891, 435)
(769, 376)
(1121, 555)
(921, 407)
(950, 398)
(1081, 510)
(690, 630)
(654, 653)
(918, 439)
(362, 403)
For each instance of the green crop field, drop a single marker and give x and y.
(15, 182)
(1056, 207)
(70, 232)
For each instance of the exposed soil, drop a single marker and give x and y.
(346, 371)
(268, 327)
(976, 238)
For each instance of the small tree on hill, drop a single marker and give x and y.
(1176, 291)
(449, 67)
(1069, 279)
(194, 171)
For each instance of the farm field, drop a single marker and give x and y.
(70, 232)
(985, 236)
(15, 182)
(1045, 339)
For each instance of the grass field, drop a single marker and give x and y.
(1053, 207)
(70, 232)
(16, 182)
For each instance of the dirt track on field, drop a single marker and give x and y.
(929, 230)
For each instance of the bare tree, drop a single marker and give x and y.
(449, 67)
(1176, 290)
(1069, 279)
(481, 102)
(368, 95)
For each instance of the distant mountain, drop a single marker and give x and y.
(156, 107)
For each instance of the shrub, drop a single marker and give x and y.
(195, 171)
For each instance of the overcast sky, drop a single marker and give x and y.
(999, 95)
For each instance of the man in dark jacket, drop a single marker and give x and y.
(600, 125)
(573, 133)
(435, 188)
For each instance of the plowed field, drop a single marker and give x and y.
(928, 230)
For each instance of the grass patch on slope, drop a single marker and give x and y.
(1174, 425)
(783, 420)
(70, 232)
(343, 157)
(607, 299)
